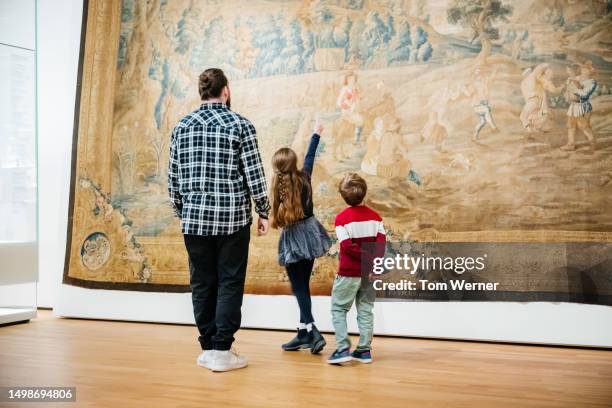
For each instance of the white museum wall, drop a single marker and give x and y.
(59, 35)
(59, 32)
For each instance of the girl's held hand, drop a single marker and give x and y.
(318, 127)
(262, 226)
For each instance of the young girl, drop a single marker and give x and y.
(302, 238)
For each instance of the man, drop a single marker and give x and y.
(215, 168)
(348, 102)
(479, 92)
(438, 127)
(534, 87)
(580, 91)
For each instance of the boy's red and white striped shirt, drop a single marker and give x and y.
(355, 226)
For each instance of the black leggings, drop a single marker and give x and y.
(299, 276)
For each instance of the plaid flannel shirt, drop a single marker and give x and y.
(215, 168)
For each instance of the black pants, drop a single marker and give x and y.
(217, 268)
(299, 276)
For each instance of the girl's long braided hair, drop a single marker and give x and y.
(286, 189)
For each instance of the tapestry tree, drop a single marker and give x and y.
(480, 16)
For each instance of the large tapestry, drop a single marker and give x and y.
(472, 121)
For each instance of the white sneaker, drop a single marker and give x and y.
(205, 358)
(227, 360)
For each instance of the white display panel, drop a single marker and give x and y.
(18, 162)
(11, 315)
(18, 209)
(17, 145)
(540, 323)
(17, 23)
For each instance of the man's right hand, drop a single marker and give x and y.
(263, 226)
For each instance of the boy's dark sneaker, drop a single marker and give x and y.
(363, 356)
(340, 356)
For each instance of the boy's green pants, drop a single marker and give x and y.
(346, 290)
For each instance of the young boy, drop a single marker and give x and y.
(358, 228)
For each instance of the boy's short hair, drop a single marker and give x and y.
(353, 189)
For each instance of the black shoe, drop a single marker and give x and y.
(318, 342)
(302, 340)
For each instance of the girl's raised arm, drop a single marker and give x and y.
(312, 148)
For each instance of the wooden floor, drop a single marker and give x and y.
(117, 364)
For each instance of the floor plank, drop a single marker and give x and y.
(119, 364)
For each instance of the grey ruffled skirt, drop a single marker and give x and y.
(306, 239)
